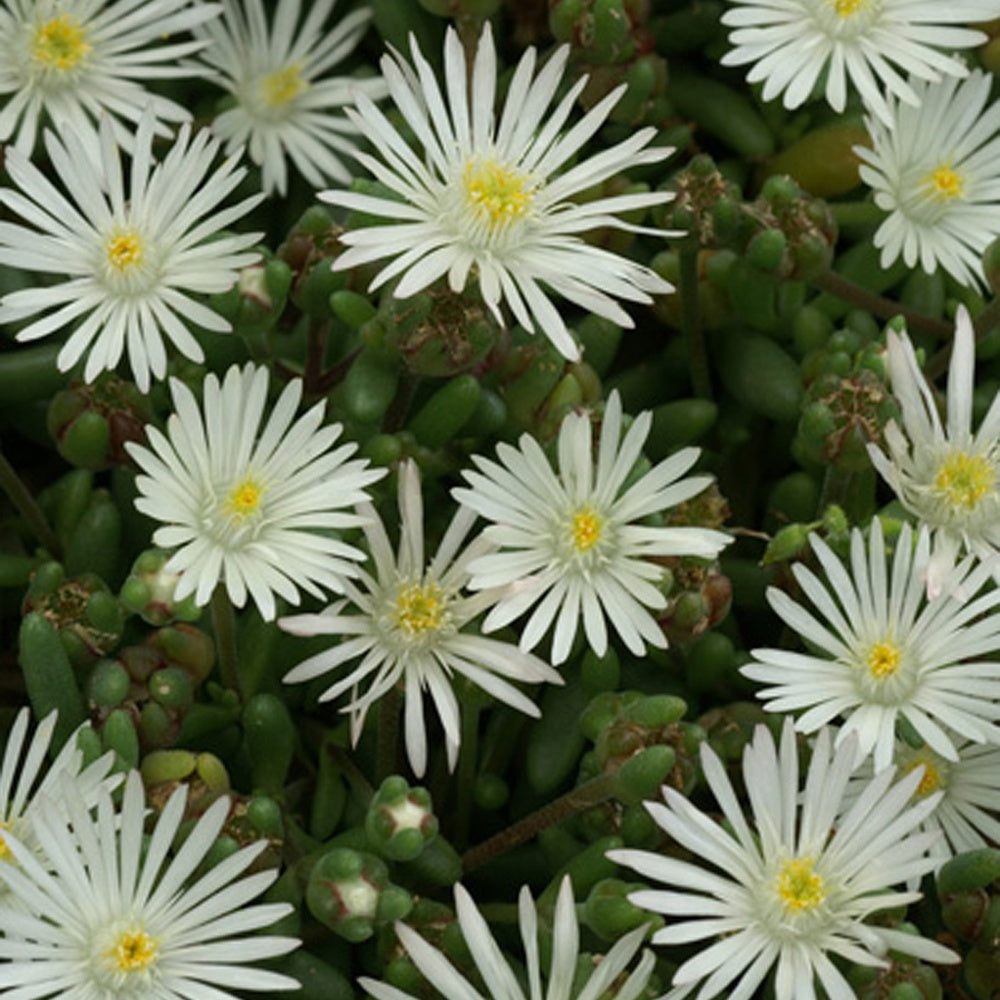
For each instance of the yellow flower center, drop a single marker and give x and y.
(420, 609)
(244, 499)
(798, 885)
(283, 85)
(845, 8)
(496, 193)
(930, 782)
(4, 849)
(60, 43)
(884, 659)
(585, 530)
(132, 951)
(125, 250)
(963, 480)
(945, 183)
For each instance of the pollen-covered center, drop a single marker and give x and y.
(884, 659)
(963, 480)
(420, 609)
(283, 85)
(930, 782)
(125, 250)
(132, 951)
(798, 885)
(945, 183)
(245, 498)
(497, 194)
(845, 8)
(585, 529)
(60, 43)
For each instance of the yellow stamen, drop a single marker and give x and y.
(420, 609)
(963, 480)
(133, 951)
(283, 85)
(586, 530)
(60, 43)
(125, 250)
(945, 183)
(884, 659)
(496, 193)
(930, 782)
(244, 499)
(845, 8)
(799, 887)
(4, 849)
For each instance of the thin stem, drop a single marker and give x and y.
(224, 626)
(701, 380)
(21, 497)
(387, 748)
(579, 799)
(465, 780)
(880, 306)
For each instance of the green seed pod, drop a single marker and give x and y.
(162, 766)
(119, 735)
(642, 774)
(269, 738)
(49, 677)
(109, 684)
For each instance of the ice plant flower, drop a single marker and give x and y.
(792, 44)
(570, 541)
(130, 255)
(249, 503)
(880, 651)
(948, 477)
(561, 982)
(120, 918)
(934, 169)
(409, 630)
(24, 778)
(286, 107)
(967, 810)
(794, 884)
(495, 201)
(74, 61)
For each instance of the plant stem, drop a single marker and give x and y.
(224, 626)
(388, 734)
(701, 380)
(585, 796)
(21, 497)
(878, 305)
(465, 779)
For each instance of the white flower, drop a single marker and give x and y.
(947, 476)
(794, 43)
(409, 630)
(129, 254)
(24, 778)
(795, 884)
(498, 977)
(966, 814)
(934, 169)
(120, 918)
(247, 505)
(882, 651)
(75, 61)
(569, 541)
(285, 107)
(489, 200)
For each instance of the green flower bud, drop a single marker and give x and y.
(400, 820)
(108, 685)
(172, 688)
(149, 591)
(766, 251)
(788, 543)
(264, 815)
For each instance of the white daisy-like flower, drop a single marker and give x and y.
(967, 810)
(934, 169)
(495, 201)
(248, 505)
(285, 107)
(409, 629)
(121, 918)
(499, 978)
(130, 254)
(570, 542)
(76, 61)
(792, 44)
(794, 885)
(879, 650)
(24, 779)
(948, 477)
